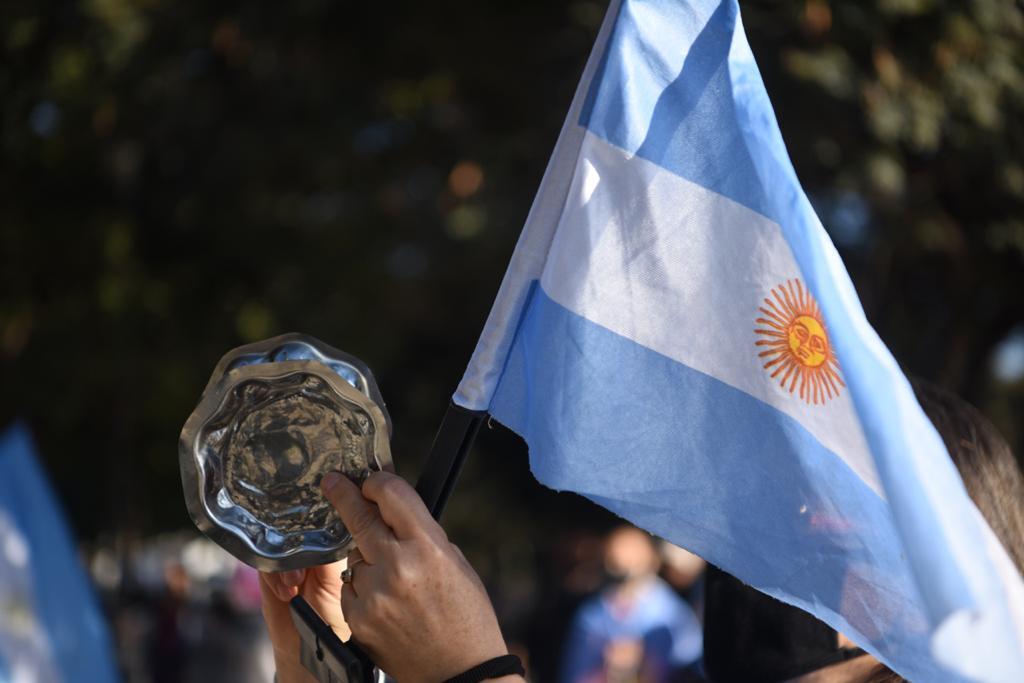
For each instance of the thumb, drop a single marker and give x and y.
(360, 516)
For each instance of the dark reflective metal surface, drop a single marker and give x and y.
(275, 417)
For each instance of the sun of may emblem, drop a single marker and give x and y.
(797, 348)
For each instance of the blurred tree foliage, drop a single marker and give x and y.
(178, 178)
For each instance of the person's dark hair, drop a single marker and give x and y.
(883, 674)
(987, 466)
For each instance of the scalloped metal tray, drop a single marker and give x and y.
(274, 418)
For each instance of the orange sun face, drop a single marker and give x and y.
(797, 350)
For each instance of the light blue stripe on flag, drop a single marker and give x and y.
(812, 512)
(668, 222)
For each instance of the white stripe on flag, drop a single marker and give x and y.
(634, 254)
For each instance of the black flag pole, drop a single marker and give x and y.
(451, 447)
(322, 652)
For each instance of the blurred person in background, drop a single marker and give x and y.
(232, 647)
(185, 610)
(685, 572)
(637, 628)
(176, 627)
(570, 570)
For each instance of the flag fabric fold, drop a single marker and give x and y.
(677, 339)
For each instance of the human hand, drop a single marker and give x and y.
(321, 587)
(414, 603)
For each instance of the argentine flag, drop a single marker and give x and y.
(676, 339)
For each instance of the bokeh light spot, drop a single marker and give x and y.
(1008, 359)
(466, 179)
(44, 119)
(254, 321)
(466, 222)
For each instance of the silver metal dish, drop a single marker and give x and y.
(274, 418)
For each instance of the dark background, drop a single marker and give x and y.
(179, 178)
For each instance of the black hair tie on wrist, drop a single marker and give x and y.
(506, 665)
